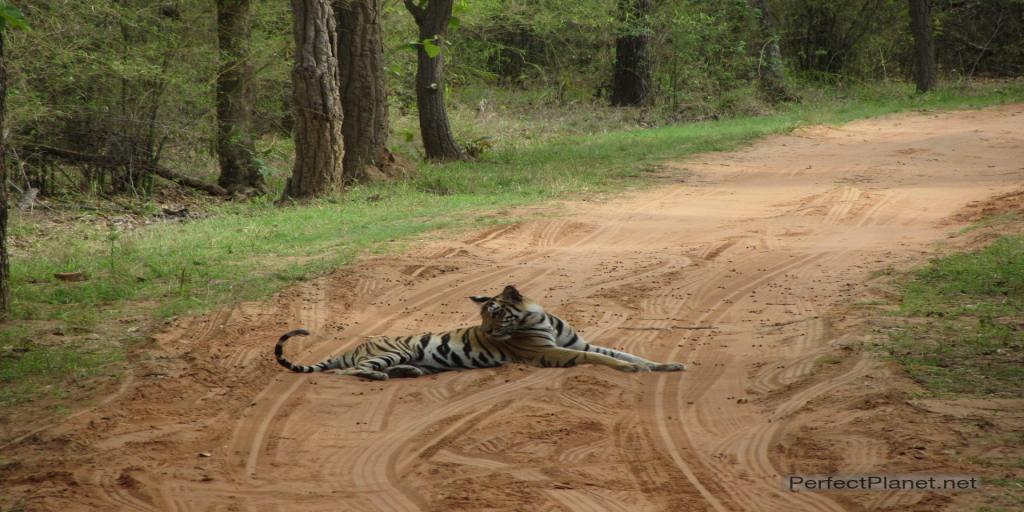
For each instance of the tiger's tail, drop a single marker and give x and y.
(298, 368)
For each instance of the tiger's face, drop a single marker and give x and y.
(504, 314)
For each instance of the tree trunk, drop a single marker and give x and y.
(236, 151)
(631, 82)
(432, 19)
(5, 268)
(363, 92)
(319, 148)
(924, 44)
(771, 73)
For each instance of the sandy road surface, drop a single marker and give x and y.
(737, 264)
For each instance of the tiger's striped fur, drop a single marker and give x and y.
(513, 328)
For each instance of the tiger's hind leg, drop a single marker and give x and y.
(365, 373)
(383, 367)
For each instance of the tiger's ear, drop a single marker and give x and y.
(511, 293)
(479, 299)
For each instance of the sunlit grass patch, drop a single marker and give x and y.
(965, 328)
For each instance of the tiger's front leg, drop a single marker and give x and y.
(563, 358)
(626, 356)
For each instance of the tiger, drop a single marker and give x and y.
(513, 329)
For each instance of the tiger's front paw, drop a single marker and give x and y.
(634, 368)
(669, 367)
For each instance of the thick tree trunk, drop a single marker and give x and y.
(924, 44)
(631, 82)
(432, 19)
(771, 73)
(235, 148)
(363, 92)
(5, 267)
(319, 148)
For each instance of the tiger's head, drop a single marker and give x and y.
(508, 312)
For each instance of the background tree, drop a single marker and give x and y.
(5, 268)
(319, 149)
(236, 150)
(771, 73)
(364, 97)
(9, 17)
(924, 44)
(432, 17)
(631, 82)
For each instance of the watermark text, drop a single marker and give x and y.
(833, 483)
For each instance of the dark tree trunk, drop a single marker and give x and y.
(363, 92)
(236, 151)
(5, 267)
(432, 19)
(631, 83)
(924, 44)
(771, 73)
(318, 143)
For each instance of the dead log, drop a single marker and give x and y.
(181, 179)
(103, 161)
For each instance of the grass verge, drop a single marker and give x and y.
(247, 251)
(958, 331)
(964, 334)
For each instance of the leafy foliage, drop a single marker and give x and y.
(132, 80)
(11, 17)
(702, 54)
(128, 81)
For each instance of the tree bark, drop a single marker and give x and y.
(363, 91)
(432, 19)
(236, 150)
(5, 267)
(319, 149)
(924, 44)
(631, 82)
(771, 72)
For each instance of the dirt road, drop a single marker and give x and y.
(741, 264)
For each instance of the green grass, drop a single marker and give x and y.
(990, 221)
(247, 251)
(965, 336)
(960, 334)
(47, 370)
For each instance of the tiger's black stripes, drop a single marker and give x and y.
(513, 329)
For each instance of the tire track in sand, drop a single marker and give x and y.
(753, 446)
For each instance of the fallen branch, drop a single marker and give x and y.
(181, 179)
(102, 161)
